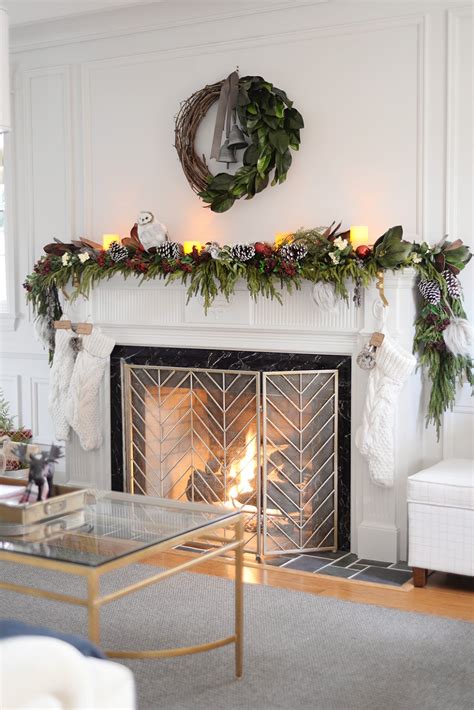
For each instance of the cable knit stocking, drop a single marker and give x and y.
(83, 410)
(374, 438)
(60, 377)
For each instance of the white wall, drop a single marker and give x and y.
(385, 89)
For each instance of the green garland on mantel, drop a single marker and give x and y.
(314, 255)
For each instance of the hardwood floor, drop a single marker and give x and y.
(445, 595)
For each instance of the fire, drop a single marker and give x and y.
(244, 471)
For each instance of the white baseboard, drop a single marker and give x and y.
(378, 542)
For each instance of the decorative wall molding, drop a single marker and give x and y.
(39, 387)
(28, 223)
(277, 38)
(454, 17)
(8, 308)
(455, 444)
(57, 41)
(453, 439)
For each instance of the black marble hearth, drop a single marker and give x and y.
(240, 360)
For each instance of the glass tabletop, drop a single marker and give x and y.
(114, 525)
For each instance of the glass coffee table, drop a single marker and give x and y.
(117, 530)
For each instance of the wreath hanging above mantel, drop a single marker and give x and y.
(269, 129)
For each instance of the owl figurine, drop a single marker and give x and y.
(150, 232)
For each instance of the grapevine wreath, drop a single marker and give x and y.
(270, 125)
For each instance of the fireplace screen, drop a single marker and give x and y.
(265, 443)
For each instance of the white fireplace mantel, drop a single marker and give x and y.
(157, 315)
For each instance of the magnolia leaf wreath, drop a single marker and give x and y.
(271, 126)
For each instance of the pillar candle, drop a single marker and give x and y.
(108, 239)
(359, 236)
(188, 247)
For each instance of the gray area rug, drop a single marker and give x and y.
(301, 650)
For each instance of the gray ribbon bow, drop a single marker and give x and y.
(225, 107)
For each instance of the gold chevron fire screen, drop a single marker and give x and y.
(265, 443)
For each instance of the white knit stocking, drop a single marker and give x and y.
(374, 438)
(59, 379)
(83, 410)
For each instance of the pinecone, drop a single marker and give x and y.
(430, 291)
(117, 252)
(243, 252)
(169, 250)
(293, 252)
(452, 284)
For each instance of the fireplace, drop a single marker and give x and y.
(266, 433)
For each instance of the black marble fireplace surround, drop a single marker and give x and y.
(240, 360)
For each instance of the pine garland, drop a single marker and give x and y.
(267, 270)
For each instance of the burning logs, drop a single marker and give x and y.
(206, 486)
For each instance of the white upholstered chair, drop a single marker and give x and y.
(441, 519)
(43, 672)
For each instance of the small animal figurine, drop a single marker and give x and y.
(150, 233)
(41, 470)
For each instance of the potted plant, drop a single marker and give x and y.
(7, 424)
(10, 433)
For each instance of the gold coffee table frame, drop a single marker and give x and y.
(93, 602)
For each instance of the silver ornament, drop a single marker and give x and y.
(366, 357)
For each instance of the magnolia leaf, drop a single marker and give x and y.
(238, 190)
(221, 182)
(392, 250)
(449, 246)
(283, 162)
(393, 232)
(264, 161)
(280, 140)
(222, 203)
(458, 256)
(271, 121)
(293, 119)
(251, 154)
(253, 124)
(282, 95)
(260, 183)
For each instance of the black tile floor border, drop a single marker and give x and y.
(338, 564)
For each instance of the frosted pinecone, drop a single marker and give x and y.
(117, 252)
(169, 250)
(452, 284)
(430, 291)
(293, 252)
(243, 252)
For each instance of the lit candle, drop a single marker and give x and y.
(189, 246)
(359, 236)
(108, 239)
(282, 237)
